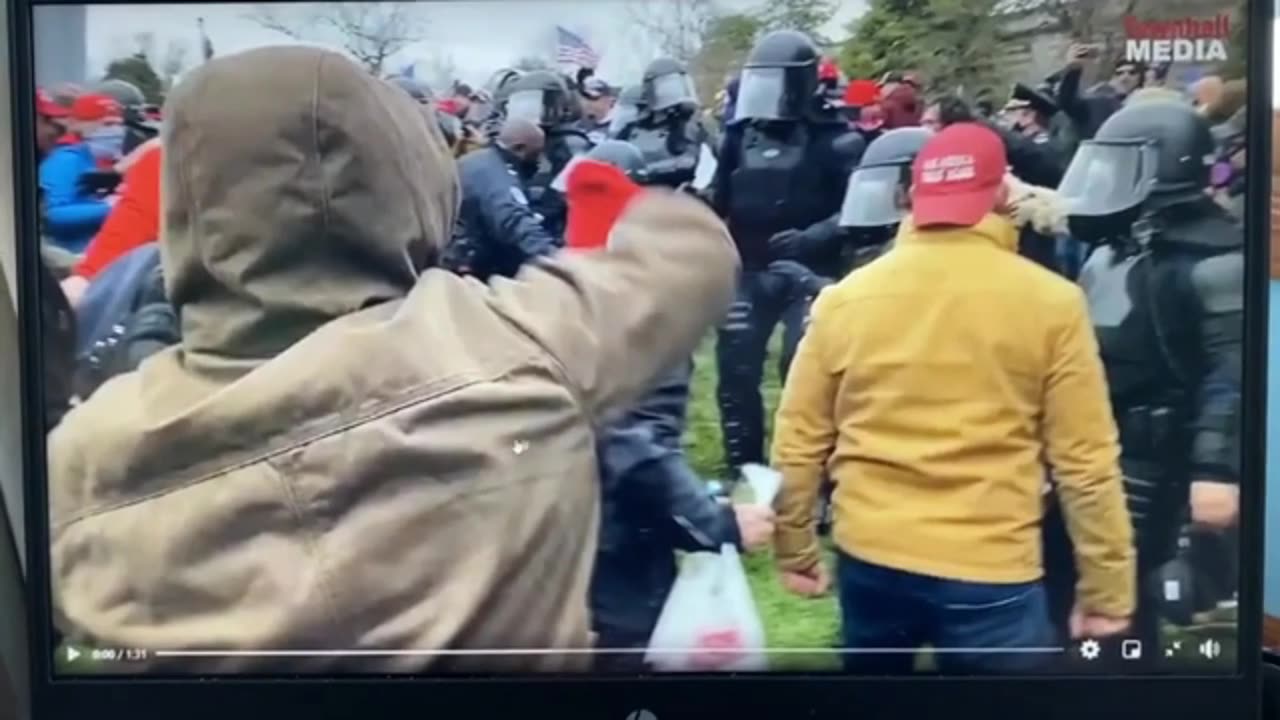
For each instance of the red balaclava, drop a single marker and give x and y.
(596, 194)
(902, 107)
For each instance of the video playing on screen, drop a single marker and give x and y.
(874, 337)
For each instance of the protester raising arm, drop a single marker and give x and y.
(616, 319)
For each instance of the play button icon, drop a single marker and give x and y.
(72, 654)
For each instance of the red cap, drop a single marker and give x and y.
(46, 106)
(450, 106)
(93, 107)
(957, 176)
(861, 93)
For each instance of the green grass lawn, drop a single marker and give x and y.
(789, 621)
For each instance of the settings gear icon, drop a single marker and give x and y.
(1090, 649)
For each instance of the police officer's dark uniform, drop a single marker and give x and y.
(1044, 249)
(782, 166)
(868, 219)
(544, 97)
(669, 132)
(1165, 292)
(497, 230)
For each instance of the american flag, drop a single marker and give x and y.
(573, 50)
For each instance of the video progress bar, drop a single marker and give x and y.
(600, 651)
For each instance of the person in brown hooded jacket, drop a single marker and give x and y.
(352, 449)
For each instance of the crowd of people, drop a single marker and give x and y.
(338, 361)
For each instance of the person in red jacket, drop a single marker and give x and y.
(133, 221)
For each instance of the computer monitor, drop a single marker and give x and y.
(868, 358)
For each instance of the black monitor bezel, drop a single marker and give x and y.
(792, 696)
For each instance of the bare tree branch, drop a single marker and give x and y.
(371, 33)
(678, 27)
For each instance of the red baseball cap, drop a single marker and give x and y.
(46, 106)
(93, 107)
(957, 176)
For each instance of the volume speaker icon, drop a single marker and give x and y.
(1211, 649)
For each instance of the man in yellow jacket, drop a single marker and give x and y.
(933, 386)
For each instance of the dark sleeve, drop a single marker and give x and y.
(675, 170)
(727, 162)
(658, 482)
(1034, 163)
(662, 411)
(1218, 284)
(1069, 99)
(819, 240)
(510, 221)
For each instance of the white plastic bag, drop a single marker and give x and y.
(709, 622)
(765, 483)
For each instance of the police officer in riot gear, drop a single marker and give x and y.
(499, 88)
(618, 153)
(1165, 288)
(544, 97)
(669, 132)
(626, 111)
(138, 127)
(875, 202)
(783, 165)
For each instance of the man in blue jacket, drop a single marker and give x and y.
(497, 229)
(653, 505)
(72, 212)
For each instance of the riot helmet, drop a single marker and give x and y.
(542, 96)
(626, 110)
(872, 198)
(779, 80)
(1149, 155)
(618, 153)
(417, 90)
(667, 86)
(123, 92)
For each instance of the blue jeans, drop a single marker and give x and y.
(898, 611)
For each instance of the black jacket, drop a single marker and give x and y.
(1087, 110)
(497, 231)
(653, 505)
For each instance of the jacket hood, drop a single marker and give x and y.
(996, 229)
(596, 194)
(297, 189)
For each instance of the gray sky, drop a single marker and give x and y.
(478, 36)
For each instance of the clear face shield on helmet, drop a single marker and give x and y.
(762, 95)
(672, 90)
(526, 105)
(872, 198)
(1108, 177)
(621, 116)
